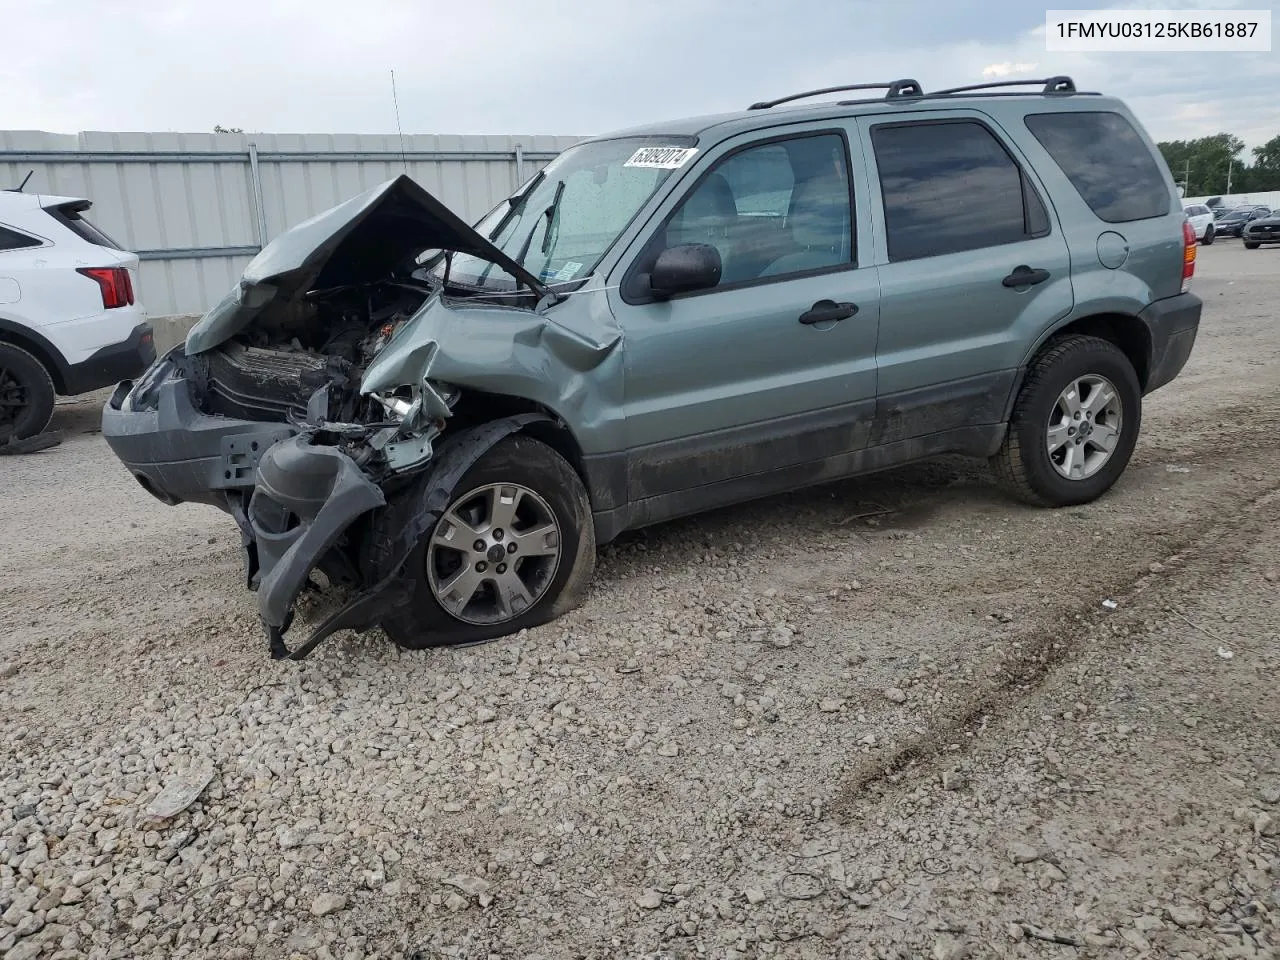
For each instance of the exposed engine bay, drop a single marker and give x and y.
(303, 365)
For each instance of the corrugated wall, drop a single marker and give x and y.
(187, 203)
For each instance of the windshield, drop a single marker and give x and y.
(571, 212)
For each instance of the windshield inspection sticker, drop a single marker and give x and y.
(661, 158)
(568, 271)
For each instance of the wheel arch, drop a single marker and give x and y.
(477, 407)
(1126, 332)
(40, 348)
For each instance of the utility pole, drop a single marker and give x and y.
(1186, 179)
(1230, 163)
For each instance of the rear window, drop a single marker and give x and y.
(13, 240)
(70, 217)
(1107, 162)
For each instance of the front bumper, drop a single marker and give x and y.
(113, 363)
(178, 453)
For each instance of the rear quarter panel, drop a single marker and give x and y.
(1152, 269)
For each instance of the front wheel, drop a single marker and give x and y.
(514, 549)
(1209, 234)
(1074, 425)
(1251, 246)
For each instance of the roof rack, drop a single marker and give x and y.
(1048, 85)
(894, 90)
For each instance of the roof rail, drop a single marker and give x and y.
(1048, 85)
(894, 90)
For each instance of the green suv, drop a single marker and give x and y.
(444, 420)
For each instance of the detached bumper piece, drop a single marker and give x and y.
(306, 498)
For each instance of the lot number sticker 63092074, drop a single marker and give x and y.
(661, 158)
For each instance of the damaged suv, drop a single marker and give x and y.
(446, 420)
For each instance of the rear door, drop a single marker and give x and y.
(972, 267)
(739, 381)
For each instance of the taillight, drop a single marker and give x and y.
(1188, 254)
(114, 283)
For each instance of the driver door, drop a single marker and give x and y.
(766, 380)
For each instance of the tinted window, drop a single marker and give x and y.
(12, 240)
(772, 210)
(1106, 161)
(949, 187)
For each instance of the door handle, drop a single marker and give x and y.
(825, 311)
(1025, 276)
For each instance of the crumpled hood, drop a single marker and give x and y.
(357, 241)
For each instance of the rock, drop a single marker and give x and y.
(8, 671)
(1186, 917)
(945, 948)
(1269, 793)
(649, 900)
(486, 715)
(668, 749)
(992, 884)
(181, 792)
(1023, 853)
(327, 903)
(730, 691)
(831, 706)
(455, 902)
(539, 858)
(26, 950)
(1156, 567)
(1015, 931)
(754, 895)
(1265, 825)
(1148, 923)
(471, 886)
(895, 695)
(24, 810)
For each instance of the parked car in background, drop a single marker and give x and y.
(882, 280)
(70, 320)
(1260, 231)
(1233, 222)
(1201, 219)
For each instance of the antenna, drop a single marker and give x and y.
(18, 188)
(396, 102)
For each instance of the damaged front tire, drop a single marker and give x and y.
(515, 548)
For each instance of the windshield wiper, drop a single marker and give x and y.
(553, 215)
(548, 213)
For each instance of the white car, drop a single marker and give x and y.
(1201, 219)
(70, 320)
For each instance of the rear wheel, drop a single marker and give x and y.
(514, 549)
(26, 394)
(1209, 234)
(1248, 245)
(1074, 425)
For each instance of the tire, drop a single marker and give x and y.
(1209, 234)
(1024, 465)
(516, 462)
(1251, 246)
(26, 394)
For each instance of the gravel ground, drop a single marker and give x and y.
(884, 718)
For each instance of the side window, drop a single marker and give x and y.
(951, 186)
(773, 210)
(12, 240)
(1106, 161)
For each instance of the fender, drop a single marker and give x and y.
(395, 530)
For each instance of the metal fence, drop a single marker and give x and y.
(196, 207)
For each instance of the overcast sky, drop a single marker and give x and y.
(568, 68)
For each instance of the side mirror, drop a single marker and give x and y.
(689, 266)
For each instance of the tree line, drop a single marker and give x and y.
(1201, 165)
